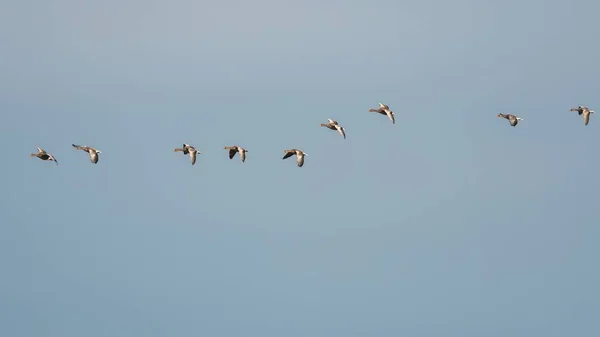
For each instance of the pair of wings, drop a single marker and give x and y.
(338, 127)
(234, 150)
(42, 151)
(299, 160)
(384, 110)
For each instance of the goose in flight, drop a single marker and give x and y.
(385, 110)
(512, 119)
(585, 111)
(90, 150)
(189, 150)
(236, 149)
(43, 155)
(299, 155)
(333, 125)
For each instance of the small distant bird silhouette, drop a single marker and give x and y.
(512, 119)
(189, 150)
(299, 155)
(583, 110)
(43, 155)
(333, 125)
(236, 149)
(90, 150)
(385, 110)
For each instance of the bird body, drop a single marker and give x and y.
(185, 148)
(189, 150)
(299, 155)
(90, 150)
(585, 111)
(385, 110)
(333, 125)
(512, 119)
(43, 155)
(237, 149)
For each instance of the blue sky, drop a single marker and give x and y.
(448, 223)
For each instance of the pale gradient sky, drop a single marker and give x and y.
(448, 223)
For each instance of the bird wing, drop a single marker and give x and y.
(391, 116)
(193, 157)
(586, 118)
(40, 150)
(94, 157)
(288, 153)
(243, 156)
(232, 152)
(341, 131)
(300, 160)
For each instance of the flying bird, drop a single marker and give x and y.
(385, 110)
(512, 119)
(299, 156)
(583, 110)
(333, 125)
(43, 155)
(236, 149)
(189, 150)
(90, 150)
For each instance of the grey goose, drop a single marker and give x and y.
(43, 155)
(299, 155)
(385, 110)
(512, 119)
(236, 149)
(90, 150)
(334, 125)
(585, 111)
(189, 150)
